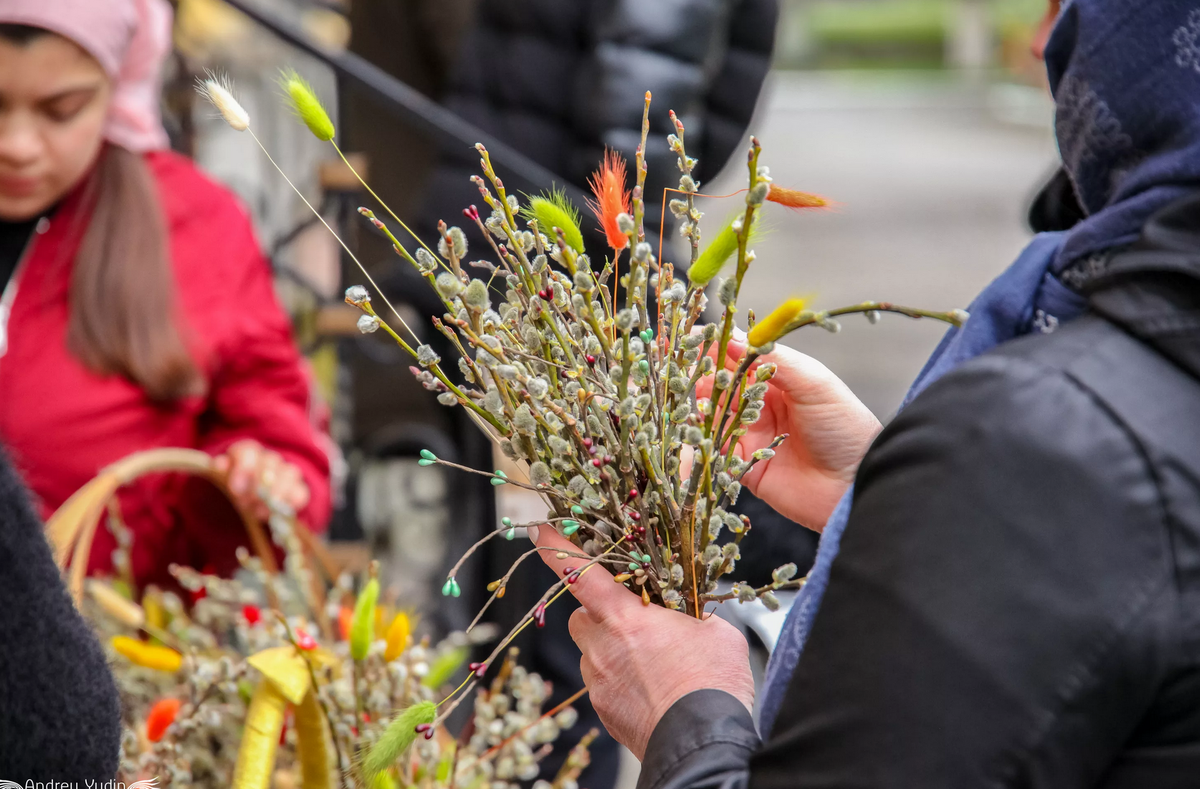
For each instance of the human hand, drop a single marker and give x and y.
(829, 432)
(251, 469)
(639, 660)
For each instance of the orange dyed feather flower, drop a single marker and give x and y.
(792, 198)
(612, 198)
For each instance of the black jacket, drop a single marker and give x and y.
(563, 81)
(59, 714)
(1016, 602)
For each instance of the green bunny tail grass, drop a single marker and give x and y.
(384, 780)
(306, 105)
(362, 624)
(444, 666)
(551, 210)
(395, 740)
(718, 252)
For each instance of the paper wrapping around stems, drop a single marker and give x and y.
(260, 738)
(286, 670)
(286, 678)
(312, 747)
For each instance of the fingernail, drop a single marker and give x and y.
(532, 531)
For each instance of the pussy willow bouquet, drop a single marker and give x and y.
(251, 685)
(587, 371)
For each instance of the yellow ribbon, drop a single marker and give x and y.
(286, 679)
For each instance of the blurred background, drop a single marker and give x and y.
(926, 122)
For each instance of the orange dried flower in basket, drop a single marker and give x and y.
(160, 718)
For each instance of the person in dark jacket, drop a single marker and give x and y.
(1007, 597)
(59, 711)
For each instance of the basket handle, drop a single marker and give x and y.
(72, 528)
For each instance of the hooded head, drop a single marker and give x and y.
(1125, 75)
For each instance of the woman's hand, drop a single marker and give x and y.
(251, 469)
(639, 660)
(830, 431)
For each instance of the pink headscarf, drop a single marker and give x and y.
(130, 39)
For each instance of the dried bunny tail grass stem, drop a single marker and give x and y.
(333, 232)
(308, 108)
(379, 200)
(219, 90)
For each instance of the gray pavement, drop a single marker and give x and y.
(932, 187)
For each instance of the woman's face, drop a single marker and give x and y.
(1045, 28)
(53, 102)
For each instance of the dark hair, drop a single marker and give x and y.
(21, 34)
(122, 319)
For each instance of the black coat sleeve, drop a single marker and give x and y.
(997, 615)
(59, 713)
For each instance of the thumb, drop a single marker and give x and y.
(593, 586)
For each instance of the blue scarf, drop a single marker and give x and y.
(1125, 75)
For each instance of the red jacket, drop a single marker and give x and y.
(62, 423)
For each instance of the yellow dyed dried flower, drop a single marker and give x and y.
(775, 325)
(147, 655)
(397, 637)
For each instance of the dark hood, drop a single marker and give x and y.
(1152, 289)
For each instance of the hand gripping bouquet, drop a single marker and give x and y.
(587, 372)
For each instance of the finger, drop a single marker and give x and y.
(594, 587)
(269, 468)
(243, 459)
(290, 487)
(580, 626)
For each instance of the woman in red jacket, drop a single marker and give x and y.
(137, 309)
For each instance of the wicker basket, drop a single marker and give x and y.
(73, 527)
